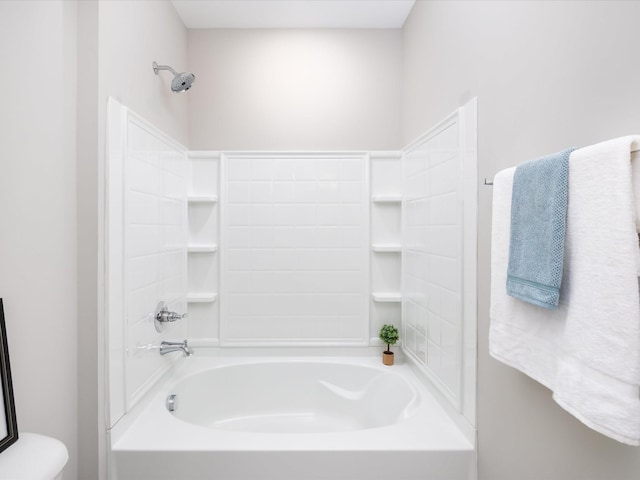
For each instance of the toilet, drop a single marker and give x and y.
(33, 457)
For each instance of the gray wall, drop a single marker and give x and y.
(37, 214)
(91, 446)
(291, 89)
(547, 75)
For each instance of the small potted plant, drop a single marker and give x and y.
(389, 335)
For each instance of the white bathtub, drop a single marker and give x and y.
(290, 419)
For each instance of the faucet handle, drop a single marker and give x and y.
(167, 316)
(162, 316)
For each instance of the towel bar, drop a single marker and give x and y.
(489, 184)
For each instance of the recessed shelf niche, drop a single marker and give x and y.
(386, 246)
(203, 265)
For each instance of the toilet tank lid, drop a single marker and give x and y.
(33, 457)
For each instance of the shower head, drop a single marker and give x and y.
(181, 81)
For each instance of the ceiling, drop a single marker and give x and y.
(293, 13)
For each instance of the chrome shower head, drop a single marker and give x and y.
(181, 81)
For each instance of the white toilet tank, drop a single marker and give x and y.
(33, 457)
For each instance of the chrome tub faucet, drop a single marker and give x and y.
(168, 347)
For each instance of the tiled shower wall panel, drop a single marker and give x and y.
(432, 266)
(295, 233)
(151, 248)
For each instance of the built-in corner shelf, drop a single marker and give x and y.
(386, 247)
(387, 198)
(386, 297)
(201, 297)
(202, 248)
(202, 198)
(385, 256)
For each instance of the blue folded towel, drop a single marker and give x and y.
(538, 221)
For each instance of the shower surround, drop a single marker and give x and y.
(298, 254)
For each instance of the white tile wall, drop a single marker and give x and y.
(439, 238)
(146, 251)
(294, 250)
(432, 292)
(155, 240)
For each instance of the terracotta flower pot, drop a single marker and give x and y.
(387, 358)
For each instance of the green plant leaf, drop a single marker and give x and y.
(389, 334)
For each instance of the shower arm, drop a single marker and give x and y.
(157, 67)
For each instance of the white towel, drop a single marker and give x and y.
(588, 350)
(635, 176)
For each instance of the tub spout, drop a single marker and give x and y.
(168, 347)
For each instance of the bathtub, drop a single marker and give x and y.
(298, 418)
